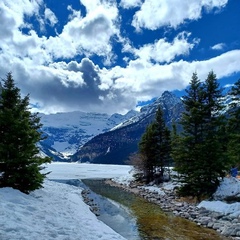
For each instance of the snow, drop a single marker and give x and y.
(54, 212)
(232, 209)
(85, 170)
(57, 211)
(69, 130)
(229, 187)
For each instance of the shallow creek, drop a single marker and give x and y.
(136, 219)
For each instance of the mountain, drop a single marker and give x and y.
(115, 146)
(66, 132)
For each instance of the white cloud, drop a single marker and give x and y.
(71, 84)
(158, 13)
(163, 51)
(87, 35)
(50, 17)
(142, 80)
(92, 5)
(130, 3)
(219, 46)
(12, 15)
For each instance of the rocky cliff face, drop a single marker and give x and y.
(115, 146)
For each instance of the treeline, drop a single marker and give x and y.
(205, 148)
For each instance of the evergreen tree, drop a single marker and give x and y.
(20, 164)
(162, 143)
(187, 148)
(155, 146)
(146, 149)
(199, 156)
(234, 126)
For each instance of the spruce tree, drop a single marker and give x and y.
(146, 149)
(187, 148)
(155, 146)
(20, 165)
(214, 160)
(234, 126)
(200, 156)
(162, 143)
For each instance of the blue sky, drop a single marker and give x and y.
(109, 55)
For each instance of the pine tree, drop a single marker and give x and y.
(215, 158)
(20, 164)
(234, 126)
(146, 149)
(155, 146)
(187, 148)
(162, 143)
(199, 156)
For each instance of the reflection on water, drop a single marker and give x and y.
(152, 222)
(112, 213)
(116, 216)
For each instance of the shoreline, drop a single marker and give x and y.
(227, 226)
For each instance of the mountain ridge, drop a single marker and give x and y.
(114, 143)
(115, 146)
(66, 132)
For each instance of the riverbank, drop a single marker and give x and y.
(166, 198)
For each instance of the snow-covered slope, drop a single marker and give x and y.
(115, 146)
(55, 212)
(66, 132)
(166, 101)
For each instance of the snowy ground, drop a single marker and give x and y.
(58, 212)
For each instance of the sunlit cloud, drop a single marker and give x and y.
(91, 63)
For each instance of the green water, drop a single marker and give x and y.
(151, 221)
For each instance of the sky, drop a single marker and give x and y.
(109, 56)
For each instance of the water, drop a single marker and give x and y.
(136, 219)
(151, 221)
(112, 213)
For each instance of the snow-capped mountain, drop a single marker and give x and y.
(101, 138)
(229, 101)
(166, 102)
(115, 146)
(66, 132)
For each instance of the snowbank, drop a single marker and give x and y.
(232, 209)
(230, 187)
(54, 212)
(58, 212)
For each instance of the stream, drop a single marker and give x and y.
(136, 219)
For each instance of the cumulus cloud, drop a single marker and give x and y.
(12, 14)
(61, 85)
(87, 35)
(158, 13)
(60, 73)
(163, 51)
(144, 80)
